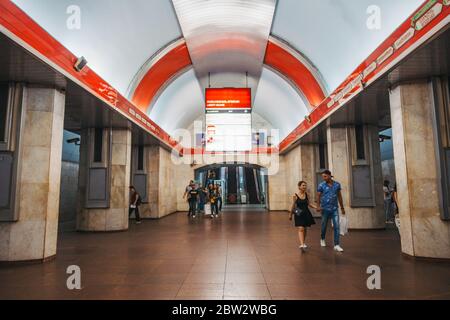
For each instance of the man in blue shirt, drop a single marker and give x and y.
(328, 196)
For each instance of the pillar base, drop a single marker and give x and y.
(27, 262)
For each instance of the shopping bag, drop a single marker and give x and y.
(343, 225)
(207, 209)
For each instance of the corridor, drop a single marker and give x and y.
(242, 255)
(110, 133)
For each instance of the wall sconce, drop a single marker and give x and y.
(80, 64)
(308, 118)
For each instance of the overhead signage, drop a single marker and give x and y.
(228, 98)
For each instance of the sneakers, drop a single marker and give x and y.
(303, 247)
(338, 248)
(138, 222)
(323, 243)
(193, 216)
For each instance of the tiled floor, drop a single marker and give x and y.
(242, 255)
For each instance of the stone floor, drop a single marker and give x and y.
(242, 255)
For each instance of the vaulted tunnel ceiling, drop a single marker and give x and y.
(118, 38)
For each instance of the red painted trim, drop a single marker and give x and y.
(160, 73)
(33, 37)
(326, 107)
(293, 69)
(178, 59)
(27, 33)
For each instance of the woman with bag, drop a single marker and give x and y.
(302, 216)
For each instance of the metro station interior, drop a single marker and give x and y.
(250, 95)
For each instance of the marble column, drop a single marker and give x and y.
(162, 183)
(301, 166)
(113, 216)
(33, 237)
(423, 233)
(341, 158)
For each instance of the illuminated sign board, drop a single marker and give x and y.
(228, 98)
(228, 119)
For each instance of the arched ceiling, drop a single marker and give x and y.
(118, 37)
(159, 71)
(334, 33)
(276, 101)
(115, 36)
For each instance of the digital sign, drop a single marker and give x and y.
(228, 98)
(228, 119)
(228, 131)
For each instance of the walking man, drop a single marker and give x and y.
(192, 195)
(135, 202)
(328, 196)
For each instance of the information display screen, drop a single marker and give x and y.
(228, 131)
(228, 120)
(228, 98)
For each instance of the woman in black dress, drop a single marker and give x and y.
(300, 210)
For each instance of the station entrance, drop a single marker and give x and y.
(243, 185)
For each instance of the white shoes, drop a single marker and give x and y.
(303, 246)
(338, 248)
(323, 243)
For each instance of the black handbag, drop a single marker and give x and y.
(297, 211)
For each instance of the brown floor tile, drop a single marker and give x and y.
(246, 290)
(205, 277)
(242, 255)
(245, 277)
(200, 290)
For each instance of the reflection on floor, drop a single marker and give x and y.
(241, 255)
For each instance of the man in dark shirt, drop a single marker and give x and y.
(328, 196)
(135, 202)
(192, 195)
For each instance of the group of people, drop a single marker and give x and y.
(329, 201)
(201, 199)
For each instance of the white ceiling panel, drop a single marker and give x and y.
(115, 36)
(226, 38)
(334, 34)
(276, 101)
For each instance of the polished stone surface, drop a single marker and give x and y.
(241, 255)
(342, 156)
(115, 217)
(34, 235)
(423, 232)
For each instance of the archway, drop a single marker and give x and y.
(243, 184)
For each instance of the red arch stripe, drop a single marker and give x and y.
(178, 59)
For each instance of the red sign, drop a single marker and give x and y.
(228, 98)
